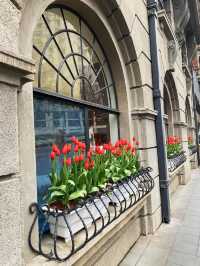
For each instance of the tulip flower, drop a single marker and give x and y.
(52, 155)
(68, 161)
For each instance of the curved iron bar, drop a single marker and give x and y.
(121, 196)
(175, 161)
(192, 150)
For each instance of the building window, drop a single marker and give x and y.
(74, 91)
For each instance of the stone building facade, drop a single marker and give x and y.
(123, 31)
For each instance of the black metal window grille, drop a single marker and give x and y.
(91, 216)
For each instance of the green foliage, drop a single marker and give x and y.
(78, 177)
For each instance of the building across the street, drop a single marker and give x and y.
(99, 70)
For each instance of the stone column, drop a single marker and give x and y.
(13, 74)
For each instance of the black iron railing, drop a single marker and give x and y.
(192, 150)
(161, 4)
(176, 160)
(81, 224)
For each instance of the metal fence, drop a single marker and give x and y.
(175, 161)
(64, 232)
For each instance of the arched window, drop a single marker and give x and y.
(74, 91)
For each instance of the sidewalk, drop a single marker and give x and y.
(176, 244)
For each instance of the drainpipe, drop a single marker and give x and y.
(159, 122)
(195, 117)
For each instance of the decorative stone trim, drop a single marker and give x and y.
(166, 25)
(180, 124)
(165, 117)
(19, 63)
(142, 111)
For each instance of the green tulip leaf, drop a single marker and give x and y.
(71, 182)
(77, 194)
(56, 194)
(94, 189)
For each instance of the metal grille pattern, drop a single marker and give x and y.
(175, 161)
(87, 220)
(67, 49)
(192, 150)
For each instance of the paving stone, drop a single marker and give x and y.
(177, 243)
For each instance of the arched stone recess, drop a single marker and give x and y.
(168, 112)
(171, 92)
(111, 29)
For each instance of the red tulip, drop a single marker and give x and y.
(134, 139)
(89, 154)
(56, 150)
(69, 147)
(65, 149)
(76, 159)
(68, 161)
(76, 148)
(87, 164)
(73, 139)
(128, 148)
(81, 157)
(83, 146)
(52, 155)
(91, 164)
(137, 143)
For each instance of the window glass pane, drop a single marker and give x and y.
(48, 77)
(63, 87)
(55, 122)
(103, 127)
(41, 35)
(54, 19)
(72, 21)
(63, 43)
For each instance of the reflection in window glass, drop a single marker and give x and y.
(55, 122)
(103, 127)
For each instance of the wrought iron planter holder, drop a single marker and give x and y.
(176, 160)
(192, 150)
(87, 220)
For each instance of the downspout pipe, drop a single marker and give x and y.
(152, 7)
(195, 117)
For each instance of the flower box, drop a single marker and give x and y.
(125, 191)
(73, 219)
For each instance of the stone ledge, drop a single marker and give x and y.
(142, 111)
(180, 124)
(19, 63)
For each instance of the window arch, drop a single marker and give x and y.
(70, 59)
